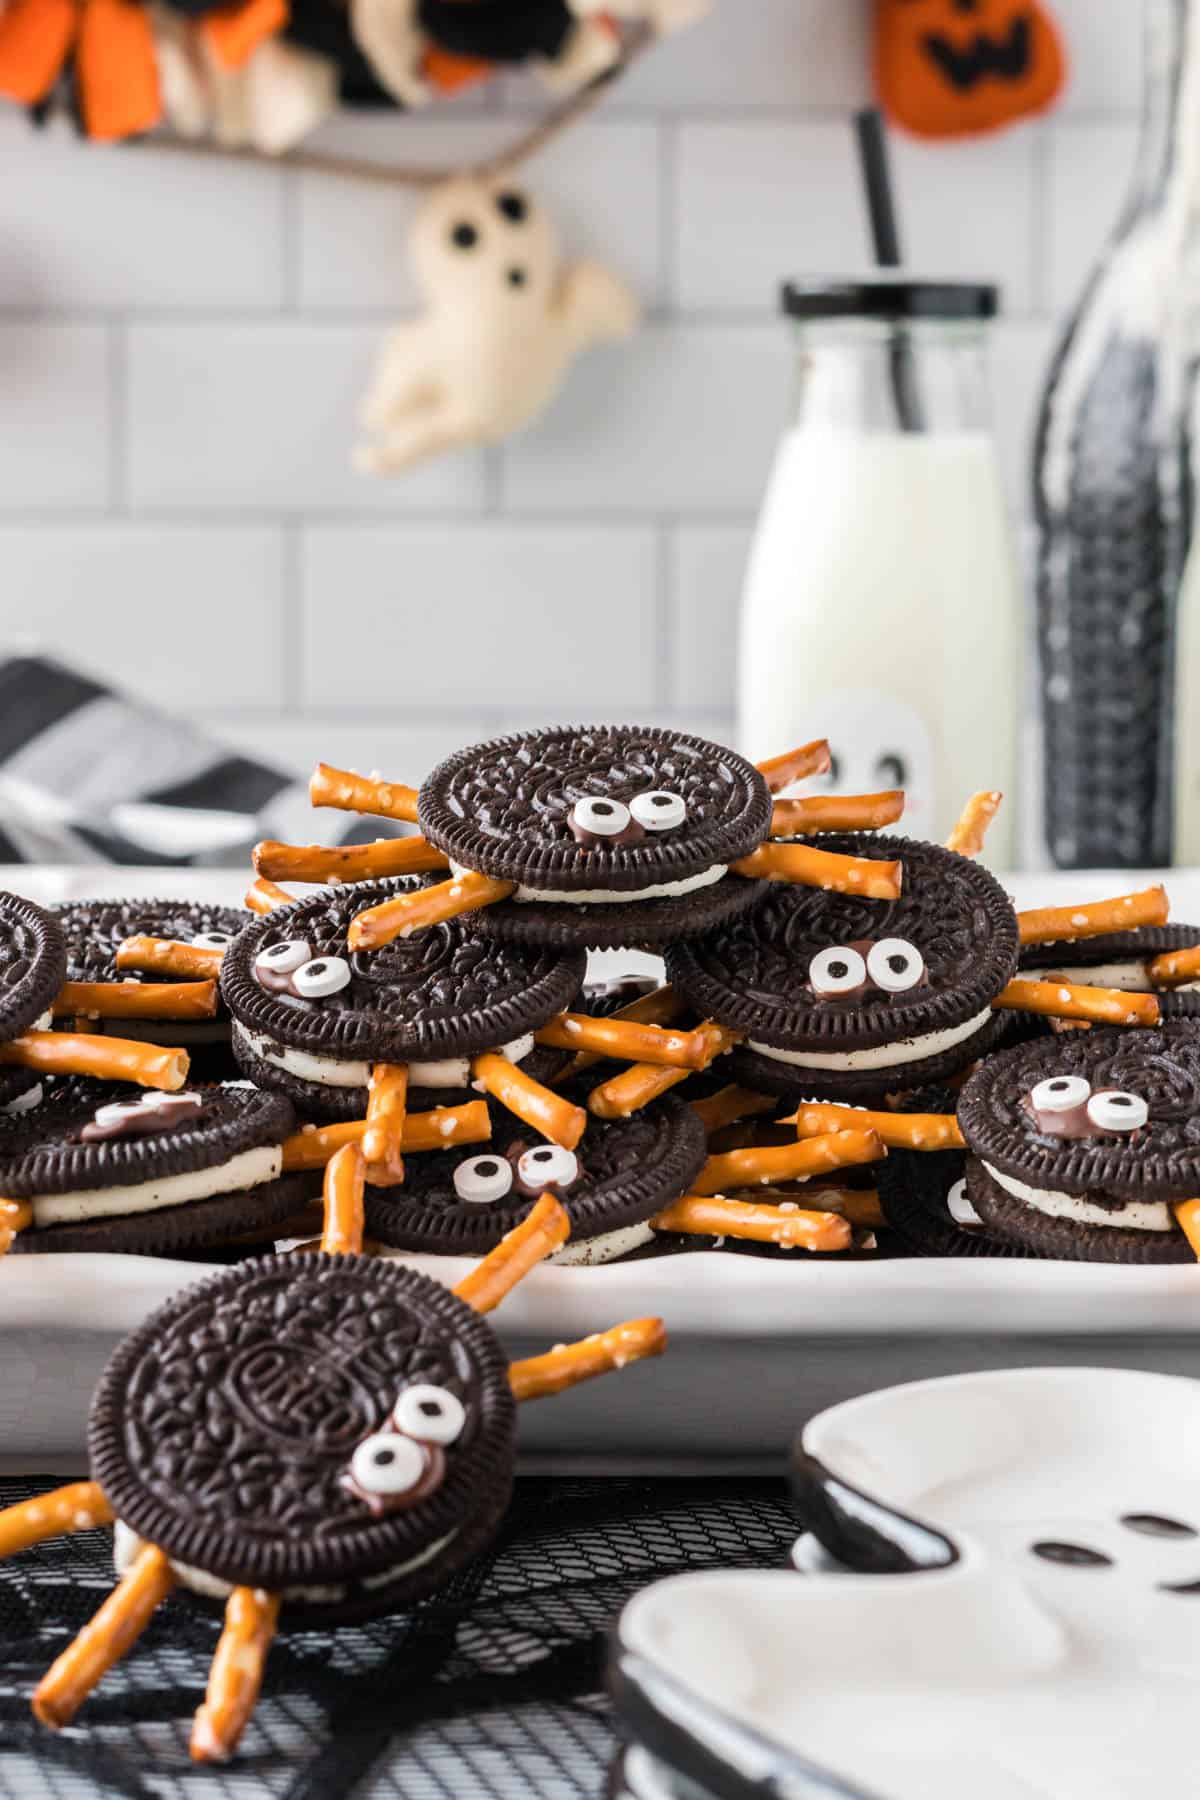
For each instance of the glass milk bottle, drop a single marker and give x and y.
(882, 605)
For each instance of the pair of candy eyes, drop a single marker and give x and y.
(893, 964)
(1111, 1110)
(485, 1179)
(393, 1462)
(314, 978)
(656, 810)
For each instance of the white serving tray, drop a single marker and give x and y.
(757, 1345)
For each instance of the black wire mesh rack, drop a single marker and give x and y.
(493, 1688)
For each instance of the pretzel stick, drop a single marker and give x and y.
(235, 1676)
(108, 1058)
(967, 837)
(836, 812)
(1187, 1217)
(568, 1364)
(349, 862)
(641, 1083)
(794, 765)
(1068, 924)
(264, 896)
(78, 1507)
(15, 1216)
(859, 1205)
(104, 1640)
(407, 913)
(808, 867)
(663, 1006)
(445, 1125)
(729, 1105)
(387, 1101)
(348, 792)
(345, 1174)
(543, 1230)
(166, 956)
(136, 1000)
(625, 1040)
(538, 1106)
(787, 1224)
(899, 1131)
(1100, 1006)
(787, 1162)
(1175, 967)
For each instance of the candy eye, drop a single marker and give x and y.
(838, 970)
(482, 1179)
(213, 940)
(387, 1463)
(602, 818)
(433, 1414)
(961, 1210)
(317, 980)
(117, 1113)
(1117, 1111)
(895, 965)
(284, 959)
(659, 810)
(548, 1165)
(1061, 1094)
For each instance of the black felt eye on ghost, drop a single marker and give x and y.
(512, 206)
(464, 235)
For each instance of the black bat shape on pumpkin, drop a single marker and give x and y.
(1007, 58)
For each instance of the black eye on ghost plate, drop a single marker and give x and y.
(891, 770)
(512, 206)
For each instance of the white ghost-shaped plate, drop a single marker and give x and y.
(1027, 1626)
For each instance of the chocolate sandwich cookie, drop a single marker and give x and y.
(311, 1016)
(107, 1166)
(33, 967)
(612, 835)
(1120, 959)
(1081, 1144)
(462, 1201)
(923, 1194)
(852, 998)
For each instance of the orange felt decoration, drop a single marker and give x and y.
(116, 69)
(234, 33)
(35, 41)
(943, 69)
(450, 73)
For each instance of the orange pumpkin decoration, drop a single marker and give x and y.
(949, 68)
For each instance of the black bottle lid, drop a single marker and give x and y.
(883, 296)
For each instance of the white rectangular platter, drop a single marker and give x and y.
(757, 1345)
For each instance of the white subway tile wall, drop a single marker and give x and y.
(183, 346)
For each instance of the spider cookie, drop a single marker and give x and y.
(1083, 1146)
(313, 1018)
(851, 997)
(33, 966)
(109, 1166)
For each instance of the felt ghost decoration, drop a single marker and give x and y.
(504, 318)
(950, 68)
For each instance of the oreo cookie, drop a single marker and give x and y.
(1119, 960)
(33, 967)
(339, 1430)
(462, 1201)
(923, 1194)
(311, 1016)
(849, 998)
(114, 1167)
(1081, 1143)
(613, 835)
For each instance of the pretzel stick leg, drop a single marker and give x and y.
(1187, 1217)
(235, 1678)
(345, 1175)
(348, 792)
(538, 1106)
(79, 1507)
(380, 925)
(632, 1089)
(136, 1000)
(105, 1639)
(968, 835)
(445, 1125)
(568, 1364)
(661, 1007)
(729, 1104)
(1070, 924)
(387, 1099)
(347, 862)
(786, 1224)
(264, 896)
(899, 1131)
(15, 1216)
(626, 1040)
(1060, 1000)
(788, 1162)
(795, 765)
(165, 956)
(836, 812)
(545, 1229)
(808, 867)
(1175, 967)
(108, 1058)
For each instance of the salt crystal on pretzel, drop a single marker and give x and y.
(626, 1040)
(312, 1147)
(899, 1131)
(107, 1058)
(1070, 924)
(1187, 1217)
(795, 765)
(15, 1216)
(136, 1000)
(1060, 1000)
(807, 866)
(1175, 967)
(387, 1101)
(836, 812)
(345, 1178)
(400, 917)
(729, 1104)
(166, 956)
(546, 1111)
(541, 1232)
(264, 896)
(568, 1364)
(235, 1674)
(968, 835)
(105, 1639)
(347, 862)
(770, 1163)
(348, 792)
(788, 1226)
(79, 1507)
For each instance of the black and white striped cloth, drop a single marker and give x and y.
(90, 776)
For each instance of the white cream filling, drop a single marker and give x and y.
(1137, 1215)
(248, 1170)
(606, 1247)
(881, 1056)
(331, 1071)
(1130, 977)
(127, 1545)
(658, 890)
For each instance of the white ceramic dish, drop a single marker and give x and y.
(757, 1344)
(999, 1668)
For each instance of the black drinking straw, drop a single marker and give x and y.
(885, 238)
